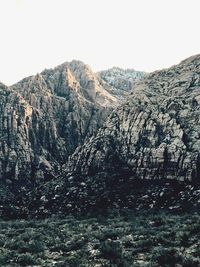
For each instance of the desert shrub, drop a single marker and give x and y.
(158, 221)
(2, 241)
(26, 260)
(190, 262)
(113, 251)
(61, 264)
(33, 247)
(6, 257)
(111, 241)
(77, 244)
(194, 228)
(166, 238)
(14, 244)
(184, 239)
(74, 261)
(166, 257)
(60, 247)
(145, 244)
(197, 252)
(110, 234)
(128, 243)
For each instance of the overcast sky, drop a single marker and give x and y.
(140, 34)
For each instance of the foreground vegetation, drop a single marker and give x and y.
(116, 239)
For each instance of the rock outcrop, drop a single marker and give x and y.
(155, 133)
(145, 155)
(45, 117)
(16, 117)
(122, 81)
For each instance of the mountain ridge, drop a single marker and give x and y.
(155, 102)
(64, 106)
(152, 135)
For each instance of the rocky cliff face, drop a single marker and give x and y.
(121, 80)
(155, 133)
(45, 117)
(16, 117)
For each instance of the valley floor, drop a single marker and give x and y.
(116, 239)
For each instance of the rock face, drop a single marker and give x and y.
(45, 117)
(117, 153)
(15, 118)
(121, 80)
(154, 134)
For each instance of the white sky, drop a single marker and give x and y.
(141, 34)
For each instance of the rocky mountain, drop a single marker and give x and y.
(145, 155)
(45, 117)
(155, 133)
(121, 80)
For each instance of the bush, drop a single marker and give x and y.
(184, 239)
(6, 258)
(33, 247)
(74, 261)
(145, 245)
(110, 241)
(194, 228)
(197, 252)
(110, 234)
(166, 257)
(190, 262)
(26, 260)
(111, 250)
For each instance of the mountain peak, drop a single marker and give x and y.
(70, 115)
(157, 128)
(193, 59)
(47, 116)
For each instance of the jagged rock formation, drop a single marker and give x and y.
(143, 157)
(155, 133)
(45, 117)
(58, 110)
(15, 117)
(121, 80)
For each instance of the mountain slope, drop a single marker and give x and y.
(16, 116)
(155, 133)
(45, 117)
(145, 156)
